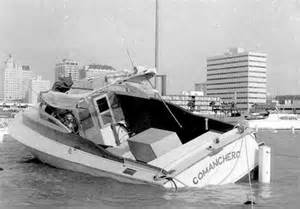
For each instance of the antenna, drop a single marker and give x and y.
(119, 33)
(131, 61)
(128, 54)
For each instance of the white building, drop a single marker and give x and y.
(200, 87)
(202, 103)
(2, 67)
(36, 86)
(27, 76)
(67, 68)
(12, 84)
(15, 80)
(95, 71)
(238, 76)
(12, 88)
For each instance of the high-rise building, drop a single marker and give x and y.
(36, 86)
(67, 68)
(9, 63)
(15, 80)
(238, 77)
(12, 84)
(12, 80)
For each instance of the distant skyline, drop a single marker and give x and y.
(41, 33)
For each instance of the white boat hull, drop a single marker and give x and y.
(278, 125)
(274, 121)
(67, 157)
(3, 132)
(226, 165)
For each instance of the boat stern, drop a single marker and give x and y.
(217, 163)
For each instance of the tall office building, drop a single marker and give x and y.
(238, 76)
(9, 63)
(67, 68)
(36, 86)
(15, 79)
(12, 80)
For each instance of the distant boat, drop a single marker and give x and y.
(124, 131)
(274, 120)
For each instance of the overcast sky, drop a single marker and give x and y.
(41, 33)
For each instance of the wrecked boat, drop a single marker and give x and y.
(125, 131)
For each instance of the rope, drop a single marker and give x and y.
(172, 180)
(169, 178)
(167, 107)
(249, 176)
(235, 164)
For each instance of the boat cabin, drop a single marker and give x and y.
(128, 124)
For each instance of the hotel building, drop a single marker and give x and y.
(67, 68)
(238, 76)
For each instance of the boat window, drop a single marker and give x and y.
(105, 113)
(102, 104)
(288, 118)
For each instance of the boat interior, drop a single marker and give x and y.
(144, 113)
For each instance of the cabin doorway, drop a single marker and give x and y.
(106, 119)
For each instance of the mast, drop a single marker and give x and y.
(156, 34)
(162, 77)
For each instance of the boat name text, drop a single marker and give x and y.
(215, 163)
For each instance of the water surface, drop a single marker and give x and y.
(26, 184)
